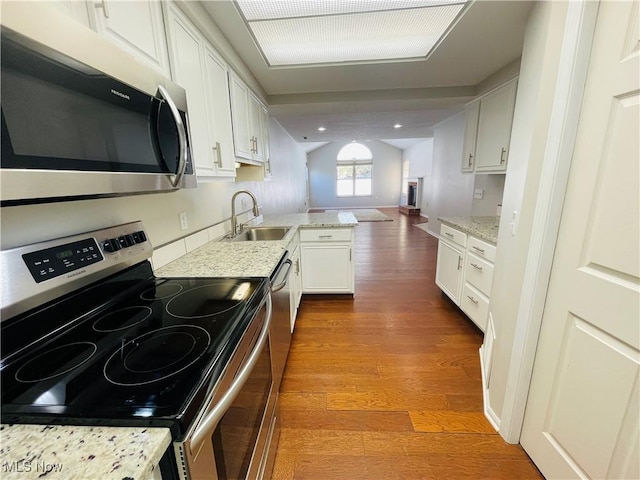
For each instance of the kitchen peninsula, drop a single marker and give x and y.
(254, 259)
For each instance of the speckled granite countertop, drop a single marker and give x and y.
(80, 453)
(250, 259)
(484, 228)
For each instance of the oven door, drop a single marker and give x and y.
(232, 438)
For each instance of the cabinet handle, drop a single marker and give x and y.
(470, 160)
(450, 235)
(218, 160)
(472, 299)
(502, 159)
(297, 266)
(325, 236)
(476, 266)
(103, 5)
(459, 262)
(481, 250)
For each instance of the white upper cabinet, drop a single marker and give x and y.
(136, 26)
(470, 136)
(250, 122)
(200, 71)
(494, 129)
(239, 95)
(219, 110)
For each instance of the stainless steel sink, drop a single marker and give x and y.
(254, 234)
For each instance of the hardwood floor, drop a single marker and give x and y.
(386, 385)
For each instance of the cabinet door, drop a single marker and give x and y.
(449, 270)
(326, 268)
(219, 112)
(494, 129)
(471, 116)
(256, 114)
(187, 61)
(239, 95)
(136, 26)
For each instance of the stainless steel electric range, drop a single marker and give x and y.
(91, 337)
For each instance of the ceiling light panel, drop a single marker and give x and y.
(356, 37)
(278, 9)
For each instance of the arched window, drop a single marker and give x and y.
(354, 151)
(354, 170)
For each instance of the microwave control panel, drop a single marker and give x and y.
(60, 260)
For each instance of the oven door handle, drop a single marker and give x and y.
(182, 135)
(280, 286)
(210, 422)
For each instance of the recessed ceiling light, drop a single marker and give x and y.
(397, 125)
(322, 129)
(302, 32)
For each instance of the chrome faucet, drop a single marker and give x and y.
(234, 221)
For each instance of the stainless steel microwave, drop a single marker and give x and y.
(72, 131)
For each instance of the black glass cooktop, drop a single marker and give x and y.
(133, 350)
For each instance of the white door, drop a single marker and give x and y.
(582, 419)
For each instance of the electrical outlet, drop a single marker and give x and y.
(478, 193)
(184, 223)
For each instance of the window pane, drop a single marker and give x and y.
(363, 186)
(345, 188)
(345, 172)
(363, 171)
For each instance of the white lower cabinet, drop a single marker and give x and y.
(475, 305)
(465, 272)
(449, 269)
(327, 261)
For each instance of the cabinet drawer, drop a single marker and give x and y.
(325, 234)
(478, 272)
(482, 249)
(475, 305)
(453, 235)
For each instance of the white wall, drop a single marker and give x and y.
(208, 204)
(451, 192)
(387, 173)
(493, 187)
(540, 57)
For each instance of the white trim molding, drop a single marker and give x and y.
(563, 125)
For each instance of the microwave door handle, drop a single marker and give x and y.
(182, 135)
(210, 422)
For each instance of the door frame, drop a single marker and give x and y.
(565, 114)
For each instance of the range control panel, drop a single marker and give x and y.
(56, 261)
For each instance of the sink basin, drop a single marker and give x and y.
(254, 234)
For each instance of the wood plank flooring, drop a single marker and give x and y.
(386, 385)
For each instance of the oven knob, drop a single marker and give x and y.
(130, 240)
(125, 241)
(111, 245)
(139, 237)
